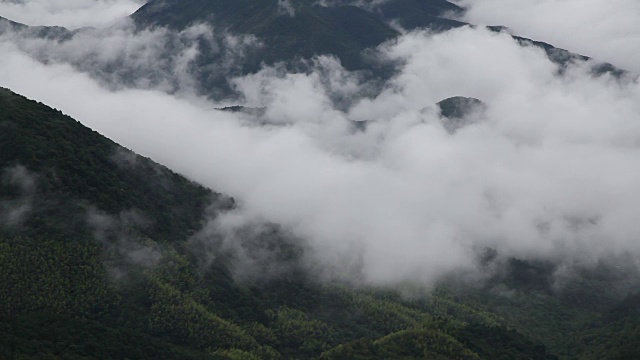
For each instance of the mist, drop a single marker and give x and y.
(607, 30)
(123, 56)
(20, 181)
(71, 14)
(547, 170)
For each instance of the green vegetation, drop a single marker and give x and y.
(75, 168)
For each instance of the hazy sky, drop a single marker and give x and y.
(549, 170)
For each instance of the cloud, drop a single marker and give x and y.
(254, 248)
(607, 30)
(21, 183)
(366, 4)
(285, 7)
(124, 56)
(71, 14)
(377, 183)
(124, 245)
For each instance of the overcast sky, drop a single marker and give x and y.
(549, 170)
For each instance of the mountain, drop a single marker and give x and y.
(298, 31)
(305, 28)
(107, 254)
(415, 14)
(288, 31)
(85, 281)
(100, 251)
(249, 34)
(77, 168)
(46, 32)
(343, 31)
(456, 112)
(99, 259)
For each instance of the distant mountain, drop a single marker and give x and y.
(414, 14)
(305, 28)
(458, 111)
(301, 29)
(287, 35)
(47, 32)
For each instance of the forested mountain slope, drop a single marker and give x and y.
(97, 262)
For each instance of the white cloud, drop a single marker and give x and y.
(123, 56)
(608, 30)
(71, 14)
(285, 7)
(550, 171)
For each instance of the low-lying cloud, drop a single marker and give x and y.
(548, 170)
(123, 56)
(22, 183)
(607, 30)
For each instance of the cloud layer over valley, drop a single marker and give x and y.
(373, 179)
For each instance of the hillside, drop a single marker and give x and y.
(95, 249)
(344, 29)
